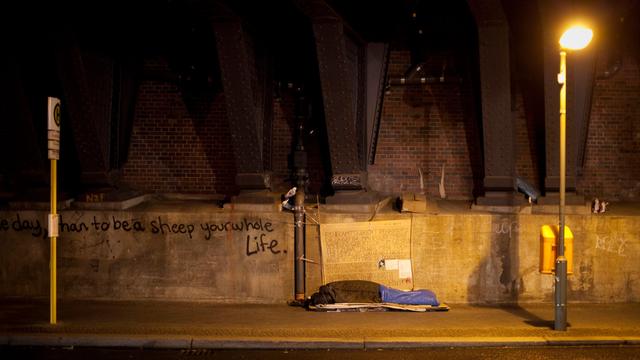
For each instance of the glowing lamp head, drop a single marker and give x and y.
(576, 38)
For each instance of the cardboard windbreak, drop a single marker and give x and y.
(378, 251)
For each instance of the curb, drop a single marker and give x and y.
(187, 342)
(133, 341)
(430, 342)
(277, 343)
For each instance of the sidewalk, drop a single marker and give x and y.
(203, 325)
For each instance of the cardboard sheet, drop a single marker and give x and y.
(359, 250)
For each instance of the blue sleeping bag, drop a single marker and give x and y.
(416, 297)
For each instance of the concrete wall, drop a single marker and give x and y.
(488, 258)
(131, 255)
(463, 257)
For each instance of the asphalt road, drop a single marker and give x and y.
(526, 353)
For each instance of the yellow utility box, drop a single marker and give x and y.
(548, 242)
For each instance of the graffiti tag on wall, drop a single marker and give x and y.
(612, 244)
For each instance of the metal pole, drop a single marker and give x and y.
(300, 165)
(299, 242)
(53, 146)
(53, 247)
(561, 261)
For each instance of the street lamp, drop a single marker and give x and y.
(575, 38)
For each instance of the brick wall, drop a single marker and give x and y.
(182, 143)
(426, 127)
(184, 146)
(178, 143)
(612, 159)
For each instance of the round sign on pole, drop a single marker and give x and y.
(56, 114)
(53, 126)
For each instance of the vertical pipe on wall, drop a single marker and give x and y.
(300, 166)
(299, 243)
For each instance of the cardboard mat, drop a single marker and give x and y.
(363, 307)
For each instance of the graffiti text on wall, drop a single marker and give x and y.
(258, 232)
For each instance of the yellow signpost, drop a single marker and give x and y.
(54, 154)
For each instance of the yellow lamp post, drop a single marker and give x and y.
(575, 38)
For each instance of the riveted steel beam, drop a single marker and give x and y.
(126, 81)
(21, 151)
(342, 78)
(377, 64)
(581, 75)
(495, 93)
(244, 98)
(90, 141)
(580, 69)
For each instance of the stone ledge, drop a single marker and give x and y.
(39, 205)
(569, 209)
(524, 209)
